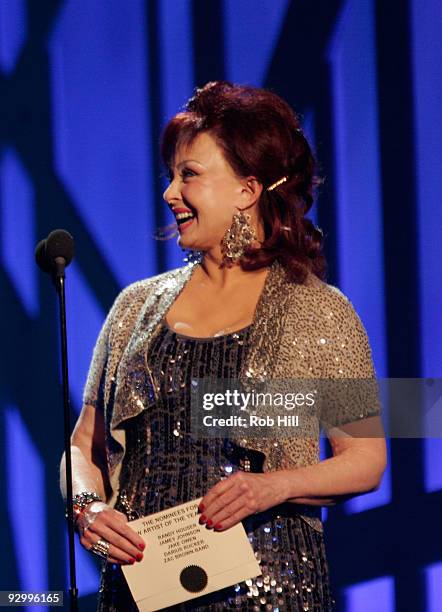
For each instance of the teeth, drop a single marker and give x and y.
(184, 215)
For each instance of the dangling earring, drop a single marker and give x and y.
(237, 238)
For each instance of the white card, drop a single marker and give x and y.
(184, 560)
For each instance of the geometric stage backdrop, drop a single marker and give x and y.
(85, 89)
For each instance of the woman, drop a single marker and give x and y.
(255, 308)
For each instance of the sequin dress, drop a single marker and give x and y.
(176, 468)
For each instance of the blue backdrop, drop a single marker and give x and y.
(85, 89)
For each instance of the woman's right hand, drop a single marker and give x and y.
(98, 521)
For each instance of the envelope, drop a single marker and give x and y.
(184, 560)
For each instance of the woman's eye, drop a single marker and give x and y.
(187, 172)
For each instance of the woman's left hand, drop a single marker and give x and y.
(239, 496)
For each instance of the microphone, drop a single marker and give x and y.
(52, 255)
(55, 252)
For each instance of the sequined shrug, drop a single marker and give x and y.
(298, 331)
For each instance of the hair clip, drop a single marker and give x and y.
(277, 183)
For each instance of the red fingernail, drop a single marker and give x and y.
(218, 526)
(209, 523)
(139, 556)
(201, 507)
(203, 519)
(131, 561)
(141, 546)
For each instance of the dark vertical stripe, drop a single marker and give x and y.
(156, 121)
(208, 40)
(398, 189)
(299, 73)
(397, 140)
(325, 147)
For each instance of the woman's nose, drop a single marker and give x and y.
(166, 194)
(170, 193)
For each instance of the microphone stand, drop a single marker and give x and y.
(59, 282)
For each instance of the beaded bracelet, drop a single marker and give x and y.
(81, 500)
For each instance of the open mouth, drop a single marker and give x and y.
(184, 217)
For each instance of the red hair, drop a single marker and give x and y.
(260, 136)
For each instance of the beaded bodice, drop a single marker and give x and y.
(165, 465)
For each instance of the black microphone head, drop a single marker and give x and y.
(41, 257)
(60, 243)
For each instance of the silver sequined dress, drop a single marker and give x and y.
(176, 468)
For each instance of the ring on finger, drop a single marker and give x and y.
(100, 548)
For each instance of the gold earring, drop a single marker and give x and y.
(237, 238)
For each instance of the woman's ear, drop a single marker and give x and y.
(251, 190)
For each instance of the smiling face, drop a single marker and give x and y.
(204, 184)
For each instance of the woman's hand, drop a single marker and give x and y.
(98, 521)
(239, 496)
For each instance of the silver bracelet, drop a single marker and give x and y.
(83, 499)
